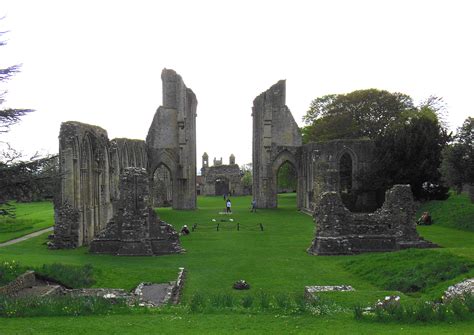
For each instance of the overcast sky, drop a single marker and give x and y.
(99, 62)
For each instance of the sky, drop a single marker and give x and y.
(100, 62)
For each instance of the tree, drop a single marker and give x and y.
(247, 178)
(362, 113)
(408, 138)
(8, 117)
(409, 152)
(286, 177)
(457, 166)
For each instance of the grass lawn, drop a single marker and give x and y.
(30, 217)
(273, 260)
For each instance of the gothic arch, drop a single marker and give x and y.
(340, 158)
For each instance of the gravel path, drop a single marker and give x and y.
(26, 237)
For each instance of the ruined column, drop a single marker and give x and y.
(274, 132)
(171, 139)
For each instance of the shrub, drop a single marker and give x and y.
(9, 270)
(59, 306)
(247, 301)
(283, 301)
(197, 302)
(263, 299)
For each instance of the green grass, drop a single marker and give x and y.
(273, 261)
(30, 217)
(224, 323)
(410, 270)
(457, 212)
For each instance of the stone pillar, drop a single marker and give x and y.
(274, 131)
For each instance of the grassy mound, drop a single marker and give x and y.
(410, 270)
(455, 212)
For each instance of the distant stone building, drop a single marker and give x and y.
(220, 179)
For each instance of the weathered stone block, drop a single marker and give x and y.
(135, 230)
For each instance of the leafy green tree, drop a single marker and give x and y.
(247, 178)
(362, 113)
(286, 177)
(408, 138)
(409, 152)
(8, 117)
(458, 159)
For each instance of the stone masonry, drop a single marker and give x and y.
(276, 140)
(332, 165)
(171, 139)
(135, 230)
(89, 167)
(341, 232)
(221, 179)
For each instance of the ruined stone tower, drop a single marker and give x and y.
(276, 139)
(171, 139)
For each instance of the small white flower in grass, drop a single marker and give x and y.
(213, 220)
(231, 220)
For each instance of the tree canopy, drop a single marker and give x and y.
(458, 158)
(408, 138)
(359, 114)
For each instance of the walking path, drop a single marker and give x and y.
(26, 237)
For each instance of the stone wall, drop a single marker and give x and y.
(221, 179)
(320, 164)
(89, 167)
(26, 280)
(135, 230)
(276, 140)
(390, 228)
(171, 139)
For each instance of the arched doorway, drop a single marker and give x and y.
(286, 184)
(221, 186)
(162, 187)
(345, 181)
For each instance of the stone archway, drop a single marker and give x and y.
(284, 157)
(221, 186)
(162, 186)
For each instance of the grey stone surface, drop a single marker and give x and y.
(276, 140)
(459, 290)
(90, 166)
(171, 139)
(390, 228)
(135, 230)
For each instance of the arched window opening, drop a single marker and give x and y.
(345, 181)
(162, 187)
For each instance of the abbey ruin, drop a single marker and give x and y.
(91, 165)
(108, 187)
(326, 175)
(221, 179)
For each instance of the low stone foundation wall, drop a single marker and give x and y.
(23, 281)
(392, 227)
